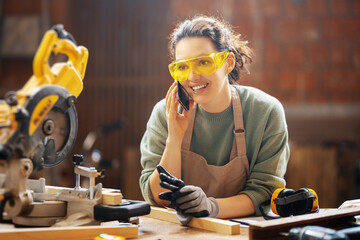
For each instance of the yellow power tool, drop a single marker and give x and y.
(39, 122)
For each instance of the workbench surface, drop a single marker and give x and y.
(154, 229)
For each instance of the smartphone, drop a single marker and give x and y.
(183, 97)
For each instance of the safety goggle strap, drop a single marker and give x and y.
(294, 198)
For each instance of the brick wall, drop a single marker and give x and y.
(307, 51)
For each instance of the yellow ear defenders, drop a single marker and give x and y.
(286, 202)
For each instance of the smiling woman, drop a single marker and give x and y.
(212, 167)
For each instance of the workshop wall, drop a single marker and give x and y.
(307, 54)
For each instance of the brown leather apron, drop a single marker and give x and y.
(217, 181)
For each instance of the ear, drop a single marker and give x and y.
(230, 63)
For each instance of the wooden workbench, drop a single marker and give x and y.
(153, 229)
(149, 228)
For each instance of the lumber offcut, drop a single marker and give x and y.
(206, 223)
(68, 233)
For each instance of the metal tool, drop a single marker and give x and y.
(322, 233)
(38, 128)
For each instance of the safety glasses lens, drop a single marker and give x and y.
(204, 66)
(181, 70)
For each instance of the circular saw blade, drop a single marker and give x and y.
(55, 135)
(55, 126)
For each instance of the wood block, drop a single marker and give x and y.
(68, 233)
(206, 223)
(112, 198)
(332, 218)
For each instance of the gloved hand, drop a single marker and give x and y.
(174, 184)
(170, 182)
(192, 201)
(186, 199)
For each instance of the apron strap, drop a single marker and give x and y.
(239, 130)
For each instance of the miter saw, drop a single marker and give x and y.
(38, 128)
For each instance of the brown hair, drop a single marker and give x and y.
(222, 36)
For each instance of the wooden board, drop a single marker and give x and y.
(109, 196)
(65, 233)
(330, 218)
(206, 223)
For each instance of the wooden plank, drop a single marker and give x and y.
(206, 223)
(110, 196)
(330, 218)
(68, 233)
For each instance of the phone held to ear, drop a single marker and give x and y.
(183, 97)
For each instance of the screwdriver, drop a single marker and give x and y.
(322, 233)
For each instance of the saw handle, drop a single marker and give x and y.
(62, 33)
(65, 74)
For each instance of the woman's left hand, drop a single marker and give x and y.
(188, 200)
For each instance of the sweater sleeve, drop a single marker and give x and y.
(152, 147)
(269, 159)
(268, 172)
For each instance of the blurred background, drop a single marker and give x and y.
(307, 54)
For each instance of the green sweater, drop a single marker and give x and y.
(266, 138)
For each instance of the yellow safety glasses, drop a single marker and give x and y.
(204, 65)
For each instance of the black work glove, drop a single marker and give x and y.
(187, 200)
(170, 182)
(174, 184)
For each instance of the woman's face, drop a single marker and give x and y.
(211, 92)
